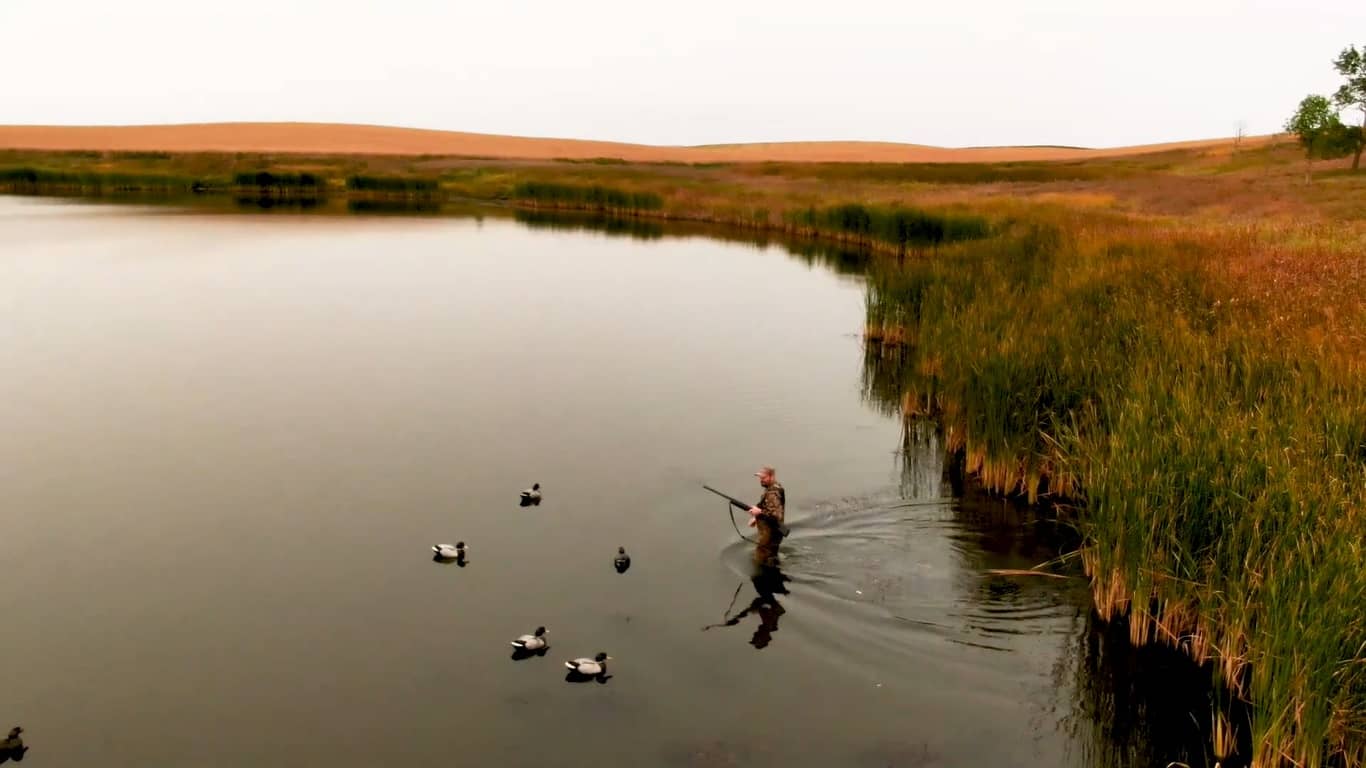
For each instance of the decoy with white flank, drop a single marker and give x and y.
(532, 495)
(622, 561)
(594, 667)
(448, 552)
(532, 642)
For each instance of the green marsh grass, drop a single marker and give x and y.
(593, 197)
(268, 189)
(280, 181)
(405, 186)
(29, 180)
(1177, 388)
(897, 226)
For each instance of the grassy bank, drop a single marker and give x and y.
(1173, 346)
(1197, 392)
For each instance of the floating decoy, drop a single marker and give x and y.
(12, 748)
(532, 642)
(532, 495)
(594, 667)
(447, 552)
(622, 561)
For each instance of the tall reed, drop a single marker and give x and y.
(896, 226)
(30, 180)
(590, 197)
(1214, 446)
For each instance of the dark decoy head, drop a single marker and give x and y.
(539, 631)
(601, 657)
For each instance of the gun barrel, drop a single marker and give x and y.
(734, 501)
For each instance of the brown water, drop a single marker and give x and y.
(230, 441)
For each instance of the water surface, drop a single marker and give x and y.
(230, 441)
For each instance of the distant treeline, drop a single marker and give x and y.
(593, 197)
(901, 227)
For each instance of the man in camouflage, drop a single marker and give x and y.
(767, 516)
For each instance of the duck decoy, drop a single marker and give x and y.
(532, 495)
(533, 642)
(622, 561)
(448, 552)
(12, 748)
(594, 667)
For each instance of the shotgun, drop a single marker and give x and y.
(734, 502)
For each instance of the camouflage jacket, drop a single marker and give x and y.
(773, 504)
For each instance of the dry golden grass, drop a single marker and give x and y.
(322, 138)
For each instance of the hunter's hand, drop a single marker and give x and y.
(755, 511)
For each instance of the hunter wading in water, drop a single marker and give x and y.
(766, 517)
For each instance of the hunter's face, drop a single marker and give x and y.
(765, 478)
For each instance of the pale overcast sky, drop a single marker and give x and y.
(955, 72)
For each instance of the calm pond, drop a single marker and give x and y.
(230, 441)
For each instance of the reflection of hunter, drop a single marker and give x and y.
(768, 583)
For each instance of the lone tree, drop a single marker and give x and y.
(1351, 64)
(1321, 132)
